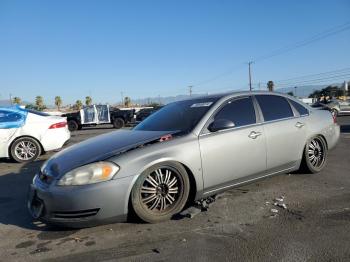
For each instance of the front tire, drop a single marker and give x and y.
(25, 149)
(315, 155)
(160, 192)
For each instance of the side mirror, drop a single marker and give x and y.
(220, 124)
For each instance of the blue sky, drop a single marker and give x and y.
(151, 48)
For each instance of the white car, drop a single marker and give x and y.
(25, 134)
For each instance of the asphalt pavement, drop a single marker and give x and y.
(241, 225)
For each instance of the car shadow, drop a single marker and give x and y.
(13, 199)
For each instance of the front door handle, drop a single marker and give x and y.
(254, 134)
(299, 125)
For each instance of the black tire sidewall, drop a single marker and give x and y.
(118, 123)
(136, 201)
(73, 125)
(16, 142)
(309, 166)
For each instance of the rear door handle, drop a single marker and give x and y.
(299, 125)
(254, 134)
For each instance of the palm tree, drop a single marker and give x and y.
(17, 100)
(58, 102)
(39, 102)
(127, 101)
(78, 104)
(270, 86)
(88, 100)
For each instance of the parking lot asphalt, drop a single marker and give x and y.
(239, 226)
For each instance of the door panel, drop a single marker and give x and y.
(285, 141)
(231, 155)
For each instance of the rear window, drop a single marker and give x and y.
(274, 107)
(37, 112)
(301, 109)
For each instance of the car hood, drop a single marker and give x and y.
(97, 149)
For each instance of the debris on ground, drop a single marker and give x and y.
(204, 203)
(190, 212)
(199, 206)
(156, 250)
(279, 202)
(274, 210)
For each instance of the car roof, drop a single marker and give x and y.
(234, 93)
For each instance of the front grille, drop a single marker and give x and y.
(76, 214)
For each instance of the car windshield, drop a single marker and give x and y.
(180, 116)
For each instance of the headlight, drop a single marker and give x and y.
(89, 174)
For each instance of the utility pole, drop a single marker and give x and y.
(11, 99)
(250, 75)
(259, 86)
(190, 90)
(295, 91)
(121, 94)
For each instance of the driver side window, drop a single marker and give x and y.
(240, 111)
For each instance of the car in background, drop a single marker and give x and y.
(336, 107)
(26, 134)
(146, 112)
(99, 115)
(186, 151)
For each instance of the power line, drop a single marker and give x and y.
(327, 33)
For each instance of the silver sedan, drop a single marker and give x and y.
(186, 151)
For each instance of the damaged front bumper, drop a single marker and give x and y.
(79, 206)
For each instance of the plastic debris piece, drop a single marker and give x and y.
(191, 212)
(273, 210)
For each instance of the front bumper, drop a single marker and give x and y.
(80, 206)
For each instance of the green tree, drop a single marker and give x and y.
(78, 105)
(270, 86)
(290, 93)
(88, 100)
(39, 102)
(58, 102)
(17, 100)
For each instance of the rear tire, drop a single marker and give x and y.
(160, 192)
(25, 149)
(73, 125)
(315, 155)
(118, 123)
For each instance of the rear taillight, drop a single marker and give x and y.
(58, 125)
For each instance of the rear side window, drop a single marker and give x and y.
(241, 112)
(7, 116)
(301, 109)
(274, 107)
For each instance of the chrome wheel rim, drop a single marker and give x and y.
(316, 152)
(25, 150)
(161, 190)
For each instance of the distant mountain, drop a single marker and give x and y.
(301, 91)
(7, 103)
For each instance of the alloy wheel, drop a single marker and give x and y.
(316, 152)
(25, 150)
(160, 190)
